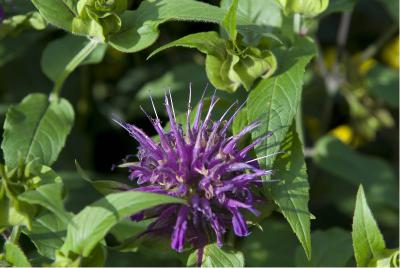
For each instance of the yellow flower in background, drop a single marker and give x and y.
(365, 66)
(390, 53)
(343, 133)
(329, 55)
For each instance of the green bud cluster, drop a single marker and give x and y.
(99, 18)
(308, 8)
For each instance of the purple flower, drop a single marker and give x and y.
(203, 165)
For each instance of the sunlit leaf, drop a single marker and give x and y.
(36, 129)
(368, 241)
(93, 222)
(213, 256)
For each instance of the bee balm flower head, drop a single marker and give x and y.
(201, 163)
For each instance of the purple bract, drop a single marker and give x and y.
(202, 165)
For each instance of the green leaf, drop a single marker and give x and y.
(140, 27)
(59, 53)
(240, 121)
(47, 234)
(291, 192)
(206, 42)
(213, 256)
(57, 12)
(15, 256)
(229, 21)
(16, 24)
(102, 186)
(383, 82)
(127, 229)
(368, 241)
(263, 17)
(379, 179)
(48, 196)
(331, 248)
(275, 100)
(92, 223)
(36, 129)
(389, 258)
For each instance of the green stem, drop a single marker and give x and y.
(299, 115)
(297, 23)
(71, 66)
(15, 234)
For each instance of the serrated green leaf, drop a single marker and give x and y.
(47, 234)
(213, 256)
(368, 241)
(331, 248)
(291, 192)
(48, 196)
(229, 21)
(92, 223)
(15, 256)
(378, 179)
(275, 100)
(59, 53)
(36, 129)
(140, 27)
(206, 42)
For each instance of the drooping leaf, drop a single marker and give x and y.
(47, 234)
(36, 129)
(275, 100)
(48, 196)
(140, 27)
(368, 241)
(92, 223)
(341, 160)
(331, 248)
(291, 192)
(213, 256)
(59, 53)
(206, 42)
(15, 256)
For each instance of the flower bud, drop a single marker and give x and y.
(308, 8)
